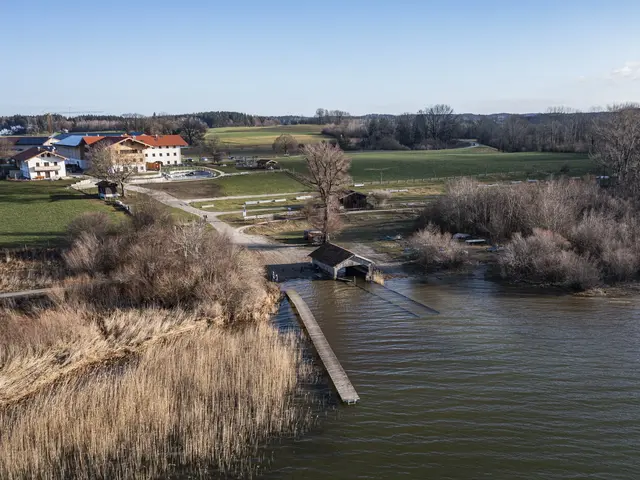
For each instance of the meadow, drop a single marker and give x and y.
(37, 213)
(251, 184)
(408, 165)
(258, 140)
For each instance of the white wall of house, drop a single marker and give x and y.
(165, 155)
(46, 165)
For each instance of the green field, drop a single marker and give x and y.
(37, 213)
(407, 165)
(258, 140)
(252, 184)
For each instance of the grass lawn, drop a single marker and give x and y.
(407, 165)
(374, 229)
(256, 140)
(252, 184)
(37, 213)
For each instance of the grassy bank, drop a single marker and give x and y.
(37, 213)
(408, 165)
(251, 184)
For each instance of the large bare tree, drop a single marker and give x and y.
(193, 130)
(285, 144)
(213, 148)
(108, 164)
(440, 123)
(616, 145)
(329, 173)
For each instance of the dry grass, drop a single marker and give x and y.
(192, 403)
(27, 269)
(159, 361)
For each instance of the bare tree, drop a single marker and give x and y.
(285, 144)
(193, 130)
(329, 171)
(617, 145)
(108, 164)
(213, 147)
(440, 124)
(5, 148)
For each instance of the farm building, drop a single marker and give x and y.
(39, 163)
(107, 189)
(335, 261)
(267, 164)
(352, 200)
(255, 163)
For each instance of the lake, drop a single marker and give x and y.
(503, 383)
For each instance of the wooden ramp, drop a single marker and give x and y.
(331, 364)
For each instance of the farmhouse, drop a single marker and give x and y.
(76, 149)
(129, 148)
(166, 149)
(39, 163)
(352, 200)
(335, 260)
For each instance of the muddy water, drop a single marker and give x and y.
(502, 384)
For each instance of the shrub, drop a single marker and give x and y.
(545, 257)
(436, 249)
(380, 197)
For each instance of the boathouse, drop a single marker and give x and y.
(335, 261)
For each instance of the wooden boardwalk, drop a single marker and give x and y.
(331, 364)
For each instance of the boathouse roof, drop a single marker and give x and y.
(331, 254)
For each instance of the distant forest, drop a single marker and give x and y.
(437, 126)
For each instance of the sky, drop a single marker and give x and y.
(287, 57)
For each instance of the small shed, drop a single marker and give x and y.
(334, 260)
(352, 200)
(107, 189)
(267, 164)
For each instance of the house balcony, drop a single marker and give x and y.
(50, 168)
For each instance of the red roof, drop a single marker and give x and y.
(91, 140)
(163, 140)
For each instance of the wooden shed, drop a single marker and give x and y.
(352, 200)
(107, 189)
(334, 260)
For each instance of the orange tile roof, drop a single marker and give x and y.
(92, 140)
(163, 140)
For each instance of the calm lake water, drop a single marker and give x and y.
(502, 384)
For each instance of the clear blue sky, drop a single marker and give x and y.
(280, 57)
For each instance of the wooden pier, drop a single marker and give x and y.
(331, 364)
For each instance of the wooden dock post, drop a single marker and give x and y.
(338, 376)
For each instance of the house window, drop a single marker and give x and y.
(37, 164)
(153, 154)
(175, 154)
(175, 162)
(146, 154)
(160, 154)
(46, 164)
(55, 164)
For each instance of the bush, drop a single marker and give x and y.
(150, 262)
(436, 249)
(545, 257)
(380, 198)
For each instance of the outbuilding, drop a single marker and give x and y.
(107, 189)
(352, 200)
(335, 260)
(38, 163)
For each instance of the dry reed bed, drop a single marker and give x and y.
(201, 402)
(28, 269)
(158, 361)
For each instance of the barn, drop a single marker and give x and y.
(352, 200)
(335, 260)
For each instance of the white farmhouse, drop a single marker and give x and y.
(165, 149)
(39, 163)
